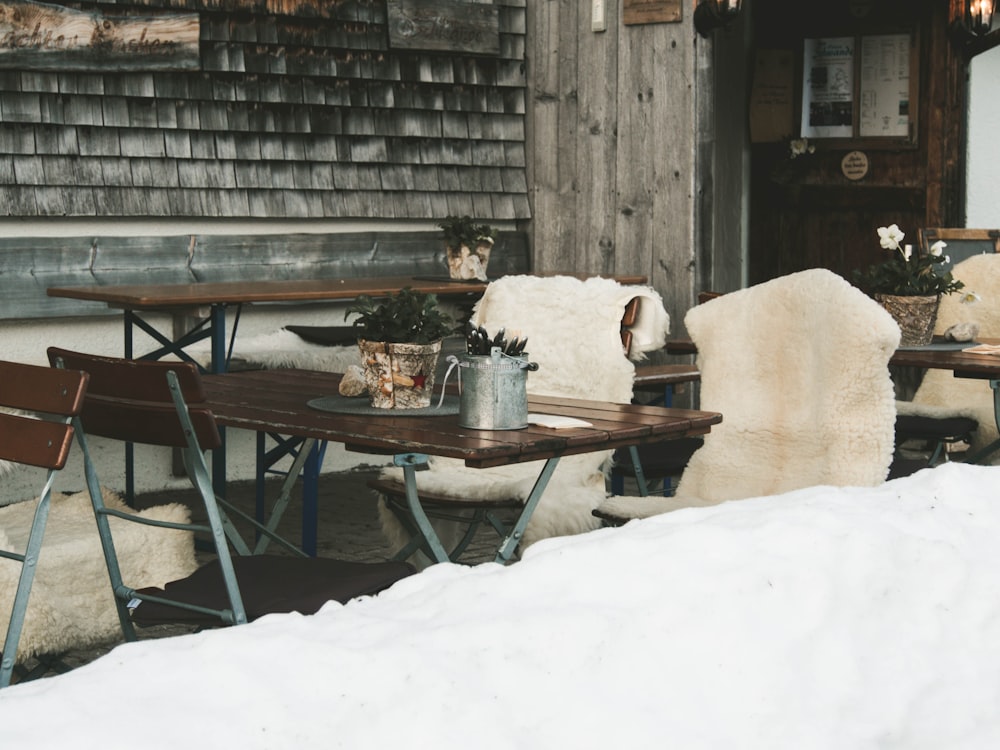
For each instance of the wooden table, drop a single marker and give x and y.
(276, 401)
(179, 299)
(961, 363)
(184, 300)
(190, 299)
(964, 365)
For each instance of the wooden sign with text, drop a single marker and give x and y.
(38, 36)
(651, 11)
(445, 25)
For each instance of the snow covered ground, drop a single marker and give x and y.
(828, 618)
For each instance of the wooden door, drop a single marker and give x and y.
(805, 212)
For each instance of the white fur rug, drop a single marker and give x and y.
(574, 334)
(798, 367)
(6, 467)
(71, 604)
(285, 349)
(941, 394)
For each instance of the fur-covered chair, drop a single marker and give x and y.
(941, 394)
(798, 368)
(574, 333)
(71, 604)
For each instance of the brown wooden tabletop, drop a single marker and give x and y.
(277, 401)
(166, 296)
(964, 364)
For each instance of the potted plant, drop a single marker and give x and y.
(400, 341)
(909, 285)
(468, 246)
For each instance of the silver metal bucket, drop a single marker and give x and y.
(493, 391)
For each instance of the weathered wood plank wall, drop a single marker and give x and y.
(298, 109)
(613, 131)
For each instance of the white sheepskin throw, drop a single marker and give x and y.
(6, 467)
(798, 368)
(282, 349)
(941, 394)
(71, 604)
(574, 334)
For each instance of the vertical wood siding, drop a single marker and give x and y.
(613, 130)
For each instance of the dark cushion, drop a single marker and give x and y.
(269, 584)
(326, 335)
(912, 427)
(659, 459)
(903, 467)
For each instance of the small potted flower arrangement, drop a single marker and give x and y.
(400, 342)
(909, 285)
(468, 246)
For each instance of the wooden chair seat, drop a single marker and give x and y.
(268, 584)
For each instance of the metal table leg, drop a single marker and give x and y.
(995, 445)
(412, 461)
(509, 545)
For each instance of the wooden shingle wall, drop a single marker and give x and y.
(301, 109)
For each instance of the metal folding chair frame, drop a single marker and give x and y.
(48, 442)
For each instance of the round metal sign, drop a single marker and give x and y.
(854, 165)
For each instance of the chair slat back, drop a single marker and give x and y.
(130, 400)
(46, 392)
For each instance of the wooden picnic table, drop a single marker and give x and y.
(278, 402)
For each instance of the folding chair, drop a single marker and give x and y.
(162, 403)
(43, 443)
(946, 409)
(585, 336)
(798, 367)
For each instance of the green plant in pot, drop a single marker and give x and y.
(468, 246)
(909, 285)
(400, 342)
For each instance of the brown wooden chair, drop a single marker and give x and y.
(162, 403)
(945, 409)
(42, 443)
(806, 398)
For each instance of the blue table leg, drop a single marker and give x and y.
(310, 496)
(129, 447)
(217, 327)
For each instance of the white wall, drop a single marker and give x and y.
(983, 158)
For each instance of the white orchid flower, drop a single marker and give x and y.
(907, 252)
(969, 298)
(938, 247)
(800, 146)
(890, 237)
